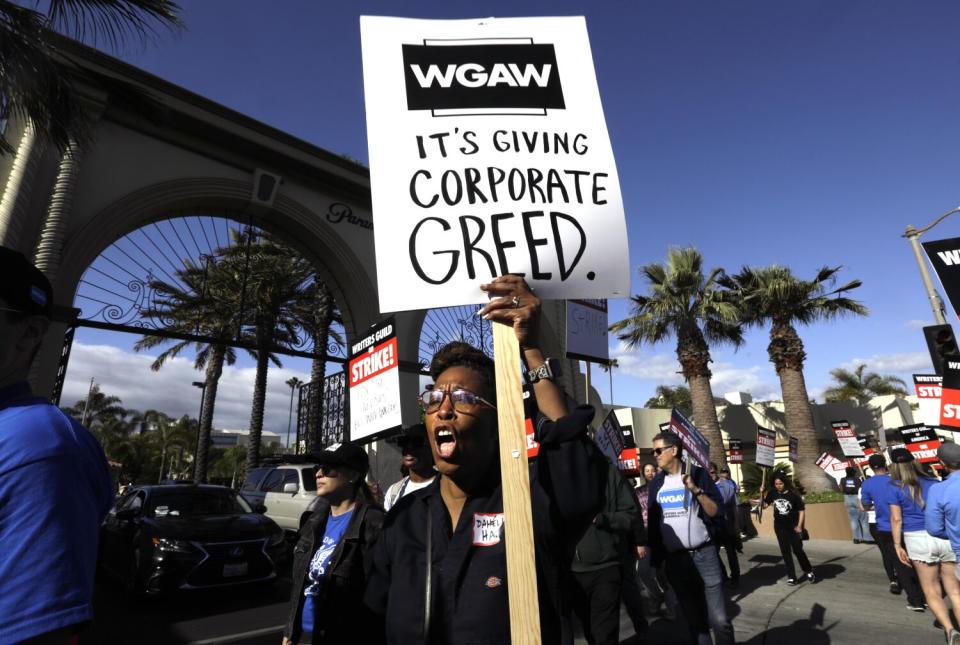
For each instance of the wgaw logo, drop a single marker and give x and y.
(487, 79)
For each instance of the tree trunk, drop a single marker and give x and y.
(259, 397)
(214, 371)
(323, 315)
(694, 356)
(787, 354)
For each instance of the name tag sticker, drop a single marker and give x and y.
(487, 528)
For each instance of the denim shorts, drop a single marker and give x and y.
(923, 547)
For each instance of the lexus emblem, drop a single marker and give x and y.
(236, 552)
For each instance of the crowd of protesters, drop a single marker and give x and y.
(425, 562)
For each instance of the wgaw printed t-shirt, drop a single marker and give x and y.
(682, 528)
(336, 527)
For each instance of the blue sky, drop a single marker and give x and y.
(799, 133)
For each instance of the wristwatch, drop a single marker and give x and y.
(549, 371)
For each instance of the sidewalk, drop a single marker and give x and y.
(851, 604)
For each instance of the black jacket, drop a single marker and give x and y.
(469, 581)
(614, 529)
(341, 615)
(715, 525)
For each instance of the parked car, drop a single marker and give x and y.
(287, 490)
(164, 538)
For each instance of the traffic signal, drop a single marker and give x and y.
(942, 345)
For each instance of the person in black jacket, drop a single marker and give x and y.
(439, 572)
(332, 558)
(599, 562)
(684, 522)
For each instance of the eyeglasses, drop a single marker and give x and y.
(463, 400)
(656, 451)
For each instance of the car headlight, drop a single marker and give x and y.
(174, 546)
(276, 539)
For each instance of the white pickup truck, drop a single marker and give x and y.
(288, 492)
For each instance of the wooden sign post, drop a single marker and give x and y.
(515, 476)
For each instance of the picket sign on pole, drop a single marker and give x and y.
(515, 476)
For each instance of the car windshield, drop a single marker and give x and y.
(179, 503)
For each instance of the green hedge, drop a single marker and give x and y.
(825, 497)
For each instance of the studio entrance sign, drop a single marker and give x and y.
(489, 155)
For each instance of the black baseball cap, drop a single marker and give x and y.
(877, 461)
(949, 453)
(22, 286)
(901, 456)
(348, 454)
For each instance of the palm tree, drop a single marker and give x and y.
(294, 384)
(672, 397)
(318, 319)
(608, 368)
(774, 295)
(35, 82)
(275, 284)
(97, 409)
(206, 305)
(861, 387)
(686, 304)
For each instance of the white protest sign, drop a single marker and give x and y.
(847, 439)
(609, 438)
(374, 377)
(766, 447)
(489, 154)
(587, 327)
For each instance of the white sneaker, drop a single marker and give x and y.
(953, 638)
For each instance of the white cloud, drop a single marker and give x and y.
(917, 324)
(902, 362)
(128, 375)
(664, 369)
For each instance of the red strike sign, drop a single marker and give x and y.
(950, 407)
(377, 360)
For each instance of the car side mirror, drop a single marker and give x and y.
(290, 487)
(127, 514)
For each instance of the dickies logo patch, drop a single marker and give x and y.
(487, 528)
(493, 582)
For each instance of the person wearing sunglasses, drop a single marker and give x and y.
(439, 571)
(55, 485)
(416, 460)
(332, 558)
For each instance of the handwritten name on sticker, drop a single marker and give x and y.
(487, 528)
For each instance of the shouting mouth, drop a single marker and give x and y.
(446, 442)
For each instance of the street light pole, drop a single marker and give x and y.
(913, 235)
(935, 303)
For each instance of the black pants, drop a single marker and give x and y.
(731, 542)
(906, 576)
(596, 601)
(789, 539)
(888, 557)
(630, 592)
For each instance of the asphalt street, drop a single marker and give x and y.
(850, 605)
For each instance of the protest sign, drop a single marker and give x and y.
(587, 337)
(928, 388)
(950, 395)
(735, 455)
(866, 449)
(921, 441)
(609, 438)
(694, 443)
(832, 466)
(374, 378)
(766, 447)
(489, 154)
(847, 438)
(945, 257)
(794, 454)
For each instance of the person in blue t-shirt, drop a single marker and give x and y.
(931, 557)
(55, 485)
(876, 493)
(332, 559)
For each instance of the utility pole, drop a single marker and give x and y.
(936, 304)
(86, 406)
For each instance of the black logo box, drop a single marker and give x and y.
(500, 96)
